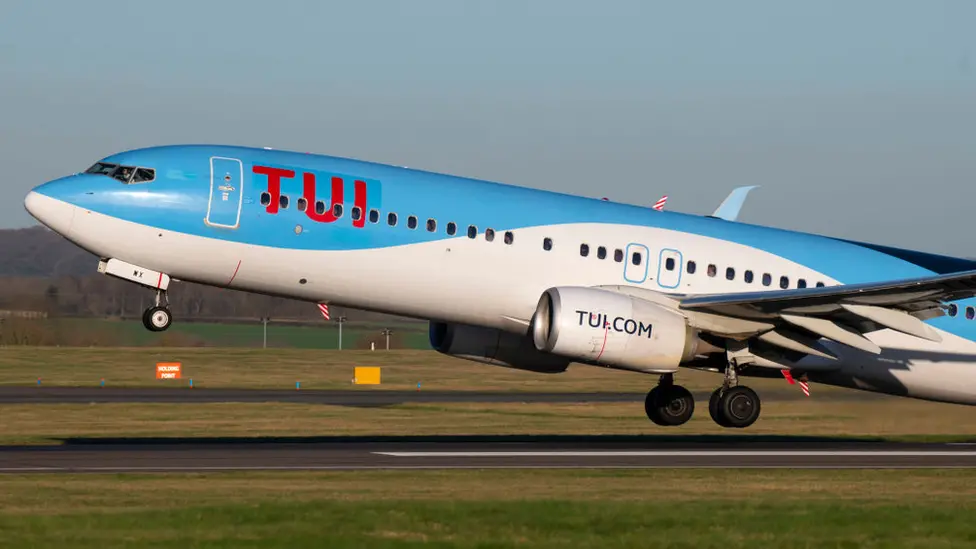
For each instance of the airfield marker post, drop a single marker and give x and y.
(340, 320)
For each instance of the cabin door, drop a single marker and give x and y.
(226, 192)
(669, 268)
(635, 266)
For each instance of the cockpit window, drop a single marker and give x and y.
(125, 174)
(144, 175)
(102, 168)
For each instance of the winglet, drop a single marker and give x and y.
(730, 207)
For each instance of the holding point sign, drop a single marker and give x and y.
(168, 370)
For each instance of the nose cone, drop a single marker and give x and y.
(56, 214)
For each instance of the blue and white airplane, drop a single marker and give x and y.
(530, 279)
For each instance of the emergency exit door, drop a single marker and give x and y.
(226, 192)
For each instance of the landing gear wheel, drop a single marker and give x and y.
(157, 319)
(713, 408)
(651, 407)
(739, 407)
(669, 405)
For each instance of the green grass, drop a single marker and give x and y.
(83, 332)
(512, 508)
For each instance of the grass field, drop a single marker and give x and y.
(472, 508)
(83, 332)
(829, 412)
(564, 508)
(320, 369)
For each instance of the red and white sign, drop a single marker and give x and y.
(324, 309)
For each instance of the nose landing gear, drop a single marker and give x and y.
(158, 317)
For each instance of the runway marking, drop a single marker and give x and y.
(690, 453)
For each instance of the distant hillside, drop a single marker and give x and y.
(38, 251)
(42, 271)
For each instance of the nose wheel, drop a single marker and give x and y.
(158, 317)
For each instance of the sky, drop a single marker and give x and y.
(857, 119)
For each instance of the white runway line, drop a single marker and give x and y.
(690, 453)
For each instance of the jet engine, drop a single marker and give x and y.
(495, 347)
(605, 328)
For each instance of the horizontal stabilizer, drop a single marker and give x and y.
(834, 331)
(730, 207)
(896, 320)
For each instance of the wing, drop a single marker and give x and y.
(793, 320)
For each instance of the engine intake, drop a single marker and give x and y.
(492, 346)
(606, 328)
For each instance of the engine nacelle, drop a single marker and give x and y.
(606, 328)
(495, 347)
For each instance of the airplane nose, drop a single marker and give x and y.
(56, 214)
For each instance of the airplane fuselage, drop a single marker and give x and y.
(471, 252)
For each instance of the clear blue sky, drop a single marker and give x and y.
(858, 118)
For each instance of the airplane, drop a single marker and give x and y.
(532, 279)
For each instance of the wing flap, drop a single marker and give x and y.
(895, 320)
(831, 330)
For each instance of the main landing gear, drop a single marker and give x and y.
(731, 405)
(669, 404)
(158, 317)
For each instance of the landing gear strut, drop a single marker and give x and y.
(157, 318)
(669, 404)
(733, 405)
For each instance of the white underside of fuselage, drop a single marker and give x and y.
(498, 285)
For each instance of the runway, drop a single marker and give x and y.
(364, 397)
(360, 453)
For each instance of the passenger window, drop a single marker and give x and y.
(618, 255)
(547, 244)
(509, 237)
(356, 213)
(691, 267)
(320, 207)
(283, 201)
(301, 204)
(801, 283)
(265, 199)
(412, 222)
(143, 175)
(820, 284)
(451, 228)
(953, 309)
(970, 313)
(669, 263)
(784, 282)
(584, 250)
(337, 210)
(601, 253)
(374, 216)
(767, 279)
(729, 273)
(391, 219)
(472, 231)
(431, 225)
(636, 258)
(490, 235)
(747, 276)
(712, 270)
